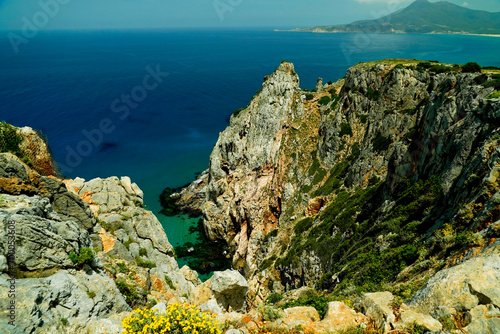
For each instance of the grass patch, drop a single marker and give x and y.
(85, 256)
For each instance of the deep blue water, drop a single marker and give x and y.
(64, 83)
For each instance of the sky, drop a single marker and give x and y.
(133, 14)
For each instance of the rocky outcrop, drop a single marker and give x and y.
(225, 291)
(393, 164)
(84, 252)
(79, 298)
(471, 288)
(17, 178)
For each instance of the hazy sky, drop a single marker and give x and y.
(124, 14)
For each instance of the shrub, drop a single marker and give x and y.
(324, 100)
(178, 319)
(122, 267)
(381, 143)
(373, 94)
(267, 263)
(64, 321)
(85, 256)
(91, 294)
(144, 264)
(170, 283)
(309, 97)
(314, 299)
(269, 312)
(143, 252)
(168, 203)
(345, 129)
(274, 298)
(9, 139)
(128, 291)
(494, 95)
(471, 68)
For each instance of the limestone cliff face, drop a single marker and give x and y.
(396, 163)
(240, 204)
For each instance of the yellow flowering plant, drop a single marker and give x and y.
(176, 319)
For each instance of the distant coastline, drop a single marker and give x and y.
(385, 33)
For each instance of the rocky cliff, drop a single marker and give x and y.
(386, 176)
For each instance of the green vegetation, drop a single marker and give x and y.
(91, 294)
(274, 298)
(381, 143)
(143, 252)
(471, 68)
(122, 267)
(269, 312)
(110, 227)
(364, 118)
(267, 263)
(495, 83)
(303, 225)
(64, 321)
(309, 97)
(170, 283)
(494, 95)
(204, 256)
(334, 181)
(270, 235)
(345, 129)
(168, 203)
(313, 299)
(373, 94)
(85, 256)
(128, 291)
(9, 139)
(145, 264)
(324, 100)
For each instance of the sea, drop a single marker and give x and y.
(150, 104)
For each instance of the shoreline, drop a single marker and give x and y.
(387, 33)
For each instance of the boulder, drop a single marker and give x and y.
(301, 315)
(339, 316)
(230, 289)
(377, 306)
(409, 317)
(211, 306)
(461, 288)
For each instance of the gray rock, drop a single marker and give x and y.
(134, 249)
(41, 243)
(474, 282)
(229, 289)
(211, 306)
(41, 303)
(377, 306)
(159, 308)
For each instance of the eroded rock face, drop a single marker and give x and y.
(44, 239)
(461, 288)
(246, 157)
(291, 153)
(43, 302)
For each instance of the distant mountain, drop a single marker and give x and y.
(423, 17)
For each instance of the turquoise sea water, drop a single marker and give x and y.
(66, 84)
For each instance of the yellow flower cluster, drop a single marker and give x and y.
(177, 319)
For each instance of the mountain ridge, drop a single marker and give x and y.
(422, 16)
